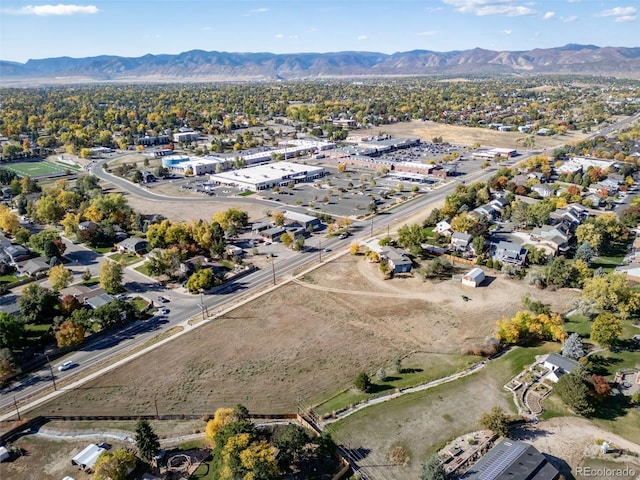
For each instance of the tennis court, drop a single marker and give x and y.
(35, 169)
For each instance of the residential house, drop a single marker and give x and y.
(199, 262)
(15, 254)
(574, 213)
(460, 241)
(97, 298)
(134, 245)
(473, 278)
(397, 259)
(443, 227)
(510, 252)
(595, 200)
(558, 366)
(88, 226)
(555, 237)
(512, 459)
(34, 267)
(543, 190)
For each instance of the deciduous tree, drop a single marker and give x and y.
(60, 277)
(114, 465)
(496, 421)
(111, 276)
(606, 329)
(70, 334)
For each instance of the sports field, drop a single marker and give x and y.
(37, 168)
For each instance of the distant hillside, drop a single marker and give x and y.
(198, 65)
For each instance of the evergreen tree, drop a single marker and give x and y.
(146, 440)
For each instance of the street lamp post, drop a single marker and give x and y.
(53, 377)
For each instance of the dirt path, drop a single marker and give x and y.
(569, 438)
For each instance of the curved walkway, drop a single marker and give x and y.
(425, 386)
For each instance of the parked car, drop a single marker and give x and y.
(162, 299)
(66, 366)
(163, 310)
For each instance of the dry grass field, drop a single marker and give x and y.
(303, 342)
(461, 135)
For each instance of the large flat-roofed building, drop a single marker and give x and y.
(492, 153)
(264, 177)
(197, 166)
(512, 459)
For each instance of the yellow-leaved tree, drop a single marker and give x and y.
(221, 417)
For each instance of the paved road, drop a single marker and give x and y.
(143, 192)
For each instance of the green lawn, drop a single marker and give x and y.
(144, 269)
(139, 303)
(430, 367)
(7, 279)
(101, 249)
(92, 282)
(607, 264)
(246, 193)
(579, 324)
(125, 258)
(34, 169)
(607, 363)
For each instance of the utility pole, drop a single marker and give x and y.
(53, 377)
(155, 402)
(15, 403)
(273, 270)
(203, 307)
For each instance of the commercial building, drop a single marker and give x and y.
(264, 177)
(197, 166)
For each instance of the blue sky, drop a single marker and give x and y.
(132, 28)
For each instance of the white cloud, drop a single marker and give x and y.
(54, 10)
(259, 10)
(429, 33)
(549, 15)
(621, 14)
(483, 8)
(362, 37)
(507, 32)
(207, 28)
(572, 18)
(279, 35)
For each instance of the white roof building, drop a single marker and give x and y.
(87, 458)
(264, 177)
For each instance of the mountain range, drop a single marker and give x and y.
(199, 65)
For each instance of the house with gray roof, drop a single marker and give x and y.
(509, 252)
(33, 267)
(511, 460)
(460, 241)
(558, 366)
(134, 245)
(16, 254)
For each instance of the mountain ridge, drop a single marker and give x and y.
(199, 65)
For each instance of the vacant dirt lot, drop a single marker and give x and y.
(468, 136)
(302, 343)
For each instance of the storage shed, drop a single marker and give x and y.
(87, 458)
(473, 278)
